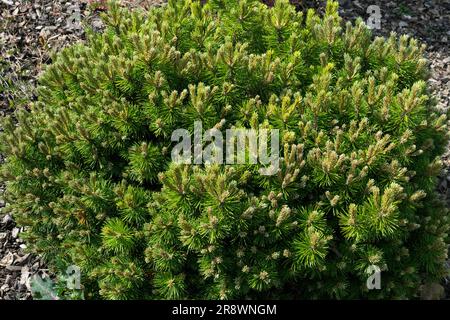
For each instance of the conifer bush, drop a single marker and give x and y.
(89, 169)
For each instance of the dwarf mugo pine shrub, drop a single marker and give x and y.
(89, 168)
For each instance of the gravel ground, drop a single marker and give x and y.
(30, 30)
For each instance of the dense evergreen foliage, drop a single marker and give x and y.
(89, 170)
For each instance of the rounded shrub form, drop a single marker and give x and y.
(89, 170)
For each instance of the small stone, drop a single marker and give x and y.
(25, 275)
(3, 235)
(15, 232)
(4, 288)
(13, 268)
(97, 24)
(7, 218)
(7, 260)
(403, 24)
(22, 259)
